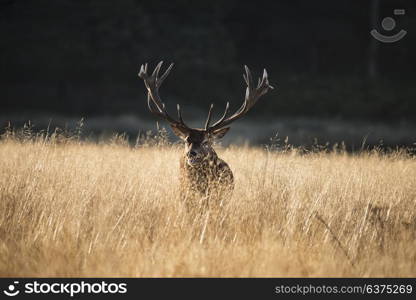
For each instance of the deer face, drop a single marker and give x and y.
(198, 147)
(198, 143)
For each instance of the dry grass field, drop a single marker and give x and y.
(71, 208)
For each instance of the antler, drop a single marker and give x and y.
(155, 104)
(253, 94)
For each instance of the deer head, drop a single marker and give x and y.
(198, 141)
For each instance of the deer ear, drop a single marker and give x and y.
(179, 131)
(219, 133)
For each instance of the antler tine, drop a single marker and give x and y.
(227, 107)
(149, 105)
(153, 84)
(249, 80)
(156, 111)
(264, 75)
(157, 69)
(143, 71)
(159, 112)
(209, 116)
(265, 80)
(178, 108)
(162, 78)
(253, 94)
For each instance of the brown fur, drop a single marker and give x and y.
(206, 185)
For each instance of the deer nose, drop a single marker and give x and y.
(192, 153)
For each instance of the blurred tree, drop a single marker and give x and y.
(82, 57)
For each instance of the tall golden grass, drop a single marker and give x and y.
(72, 208)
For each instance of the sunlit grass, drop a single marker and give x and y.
(71, 208)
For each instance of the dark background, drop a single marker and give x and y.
(62, 60)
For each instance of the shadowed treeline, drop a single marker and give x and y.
(80, 58)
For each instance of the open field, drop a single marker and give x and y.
(69, 208)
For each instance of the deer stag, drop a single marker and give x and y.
(205, 179)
